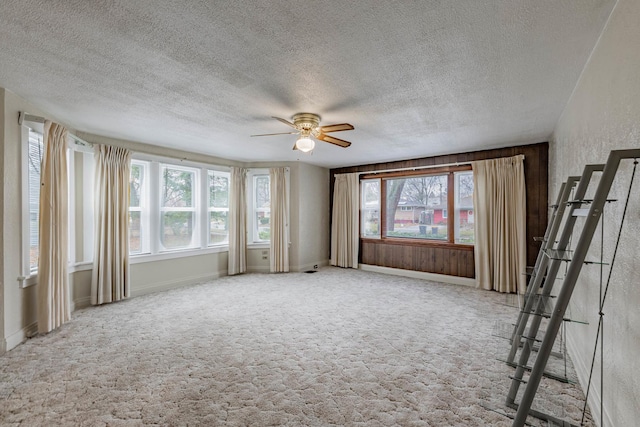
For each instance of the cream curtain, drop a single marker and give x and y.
(499, 200)
(238, 221)
(279, 244)
(345, 221)
(53, 298)
(110, 276)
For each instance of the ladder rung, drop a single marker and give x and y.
(520, 380)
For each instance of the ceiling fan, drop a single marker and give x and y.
(307, 125)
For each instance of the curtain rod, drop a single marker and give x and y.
(415, 168)
(26, 117)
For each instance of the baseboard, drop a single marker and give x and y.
(258, 269)
(454, 280)
(174, 284)
(582, 371)
(19, 337)
(309, 266)
(79, 303)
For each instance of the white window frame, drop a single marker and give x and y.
(27, 274)
(196, 196)
(254, 237)
(144, 208)
(156, 252)
(210, 208)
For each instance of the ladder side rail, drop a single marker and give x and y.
(541, 263)
(552, 272)
(575, 266)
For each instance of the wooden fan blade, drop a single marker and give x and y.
(333, 140)
(336, 128)
(286, 122)
(270, 134)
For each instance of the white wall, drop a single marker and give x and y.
(602, 115)
(309, 209)
(18, 303)
(312, 217)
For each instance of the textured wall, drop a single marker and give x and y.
(604, 114)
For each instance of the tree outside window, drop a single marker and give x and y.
(178, 210)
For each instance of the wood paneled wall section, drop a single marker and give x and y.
(453, 261)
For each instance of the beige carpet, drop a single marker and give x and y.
(338, 347)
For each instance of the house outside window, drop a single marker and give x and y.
(416, 206)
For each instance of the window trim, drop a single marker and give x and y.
(208, 208)
(409, 241)
(254, 241)
(155, 254)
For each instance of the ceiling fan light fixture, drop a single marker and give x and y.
(305, 144)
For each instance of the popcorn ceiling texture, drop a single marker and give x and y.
(416, 78)
(339, 347)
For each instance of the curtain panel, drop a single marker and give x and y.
(53, 296)
(110, 277)
(238, 222)
(279, 244)
(345, 221)
(499, 199)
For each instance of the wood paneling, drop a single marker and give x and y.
(451, 260)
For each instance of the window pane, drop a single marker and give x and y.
(218, 190)
(416, 207)
(135, 241)
(36, 151)
(262, 192)
(177, 188)
(136, 182)
(464, 219)
(218, 227)
(263, 222)
(177, 229)
(370, 206)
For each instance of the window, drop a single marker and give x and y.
(177, 207)
(34, 153)
(463, 220)
(218, 207)
(261, 208)
(178, 210)
(416, 206)
(370, 208)
(429, 195)
(139, 230)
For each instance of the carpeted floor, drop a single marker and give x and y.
(339, 347)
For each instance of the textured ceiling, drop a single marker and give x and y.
(415, 78)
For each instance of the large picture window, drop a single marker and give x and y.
(417, 206)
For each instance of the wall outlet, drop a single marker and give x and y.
(315, 267)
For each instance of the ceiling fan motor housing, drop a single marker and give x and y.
(307, 123)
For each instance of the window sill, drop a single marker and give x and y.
(28, 281)
(259, 245)
(142, 258)
(417, 242)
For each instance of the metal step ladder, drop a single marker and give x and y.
(545, 274)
